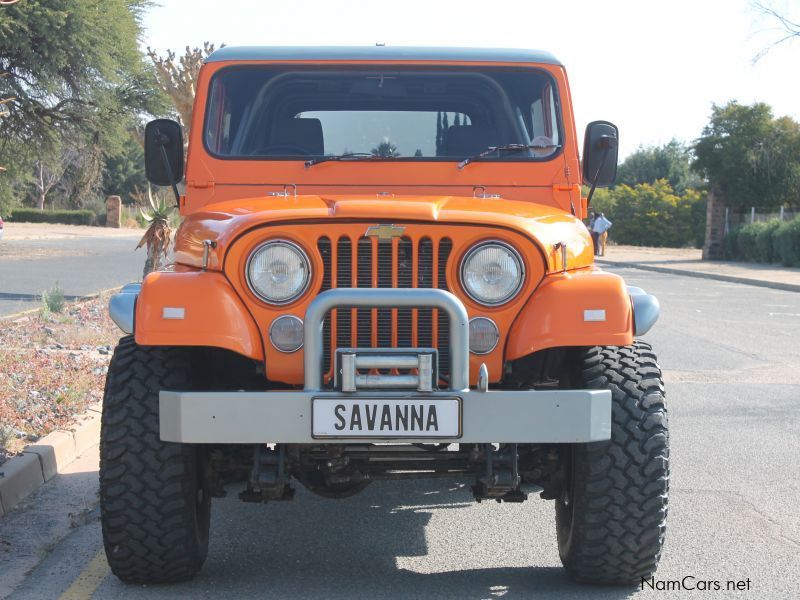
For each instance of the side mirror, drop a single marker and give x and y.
(163, 152)
(600, 151)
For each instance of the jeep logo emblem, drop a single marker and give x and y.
(385, 232)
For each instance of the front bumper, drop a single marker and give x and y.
(561, 416)
(558, 416)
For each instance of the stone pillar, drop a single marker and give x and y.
(715, 226)
(114, 211)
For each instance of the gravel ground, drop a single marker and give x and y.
(52, 366)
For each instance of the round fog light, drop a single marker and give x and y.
(286, 333)
(483, 335)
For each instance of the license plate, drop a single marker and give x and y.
(386, 418)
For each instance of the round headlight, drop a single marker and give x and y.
(483, 335)
(278, 271)
(286, 333)
(492, 273)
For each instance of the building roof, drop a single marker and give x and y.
(378, 53)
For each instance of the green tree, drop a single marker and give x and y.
(78, 80)
(123, 173)
(672, 162)
(386, 149)
(751, 157)
(653, 214)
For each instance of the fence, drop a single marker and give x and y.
(735, 218)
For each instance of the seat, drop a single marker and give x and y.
(468, 140)
(305, 134)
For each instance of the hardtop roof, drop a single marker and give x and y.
(380, 53)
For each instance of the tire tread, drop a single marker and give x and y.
(621, 486)
(147, 487)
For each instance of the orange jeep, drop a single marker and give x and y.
(383, 273)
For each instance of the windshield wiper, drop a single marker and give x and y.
(508, 148)
(347, 156)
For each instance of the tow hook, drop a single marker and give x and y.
(268, 479)
(501, 481)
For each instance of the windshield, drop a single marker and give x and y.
(265, 112)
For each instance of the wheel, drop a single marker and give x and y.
(155, 509)
(612, 514)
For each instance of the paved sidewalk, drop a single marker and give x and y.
(57, 231)
(688, 261)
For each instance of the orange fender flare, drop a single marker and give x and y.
(197, 308)
(556, 314)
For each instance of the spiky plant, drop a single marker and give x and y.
(158, 236)
(385, 149)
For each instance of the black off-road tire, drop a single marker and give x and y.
(155, 511)
(611, 519)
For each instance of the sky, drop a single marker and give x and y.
(653, 68)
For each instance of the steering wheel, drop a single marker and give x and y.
(277, 149)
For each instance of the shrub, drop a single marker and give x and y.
(746, 241)
(765, 246)
(53, 300)
(786, 242)
(653, 215)
(730, 244)
(698, 216)
(66, 217)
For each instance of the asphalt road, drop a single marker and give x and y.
(732, 369)
(80, 265)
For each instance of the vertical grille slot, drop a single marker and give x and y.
(385, 269)
(344, 278)
(425, 280)
(445, 247)
(364, 262)
(324, 247)
(405, 266)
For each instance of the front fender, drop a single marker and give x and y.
(588, 307)
(197, 308)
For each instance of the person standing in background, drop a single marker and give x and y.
(600, 227)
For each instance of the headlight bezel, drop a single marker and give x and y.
(303, 256)
(516, 255)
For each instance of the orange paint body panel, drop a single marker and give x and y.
(555, 317)
(213, 314)
(225, 222)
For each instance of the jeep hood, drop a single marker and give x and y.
(221, 223)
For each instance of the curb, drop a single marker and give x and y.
(40, 462)
(76, 300)
(775, 285)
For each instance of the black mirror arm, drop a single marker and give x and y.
(161, 144)
(606, 142)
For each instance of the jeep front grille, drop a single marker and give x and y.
(396, 263)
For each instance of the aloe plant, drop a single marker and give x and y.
(158, 236)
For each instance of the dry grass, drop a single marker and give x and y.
(51, 368)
